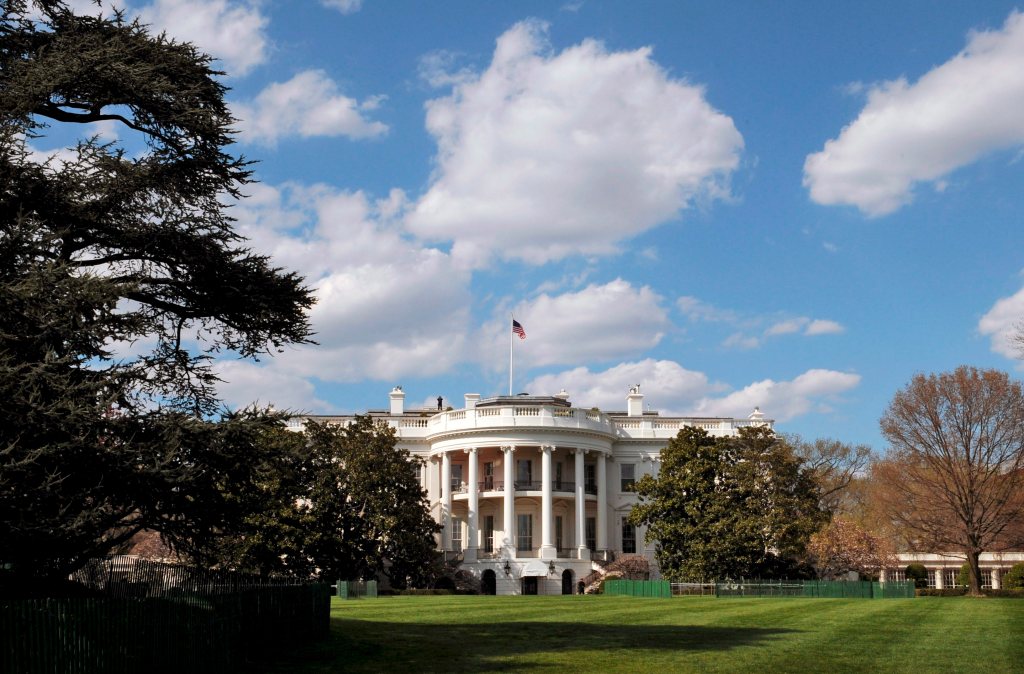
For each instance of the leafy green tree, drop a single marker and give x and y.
(728, 507)
(343, 504)
(121, 277)
(917, 573)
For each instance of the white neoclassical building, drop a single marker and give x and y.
(532, 492)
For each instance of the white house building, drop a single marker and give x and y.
(530, 491)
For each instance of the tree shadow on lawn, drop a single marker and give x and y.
(355, 645)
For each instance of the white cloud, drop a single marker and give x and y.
(912, 133)
(343, 6)
(246, 383)
(674, 390)
(820, 326)
(1002, 324)
(308, 104)
(546, 155)
(438, 69)
(663, 382)
(386, 307)
(813, 391)
(738, 340)
(697, 310)
(231, 31)
(597, 323)
(786, 327)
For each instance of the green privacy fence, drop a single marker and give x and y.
(145, 617)
(354, 589)
(638, 588)
(815, 588)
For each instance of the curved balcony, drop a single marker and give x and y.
(515, 416)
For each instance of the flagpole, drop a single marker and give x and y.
(511, 342)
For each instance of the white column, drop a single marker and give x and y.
(581, 509)
(510, 500)
(446, 502)
(602, 503)
(881, 576)
(997, 582)
(473, 519)
(940, 582)
(547, 548)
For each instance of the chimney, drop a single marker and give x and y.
(635, 402)
(397, 401)
(471, 400)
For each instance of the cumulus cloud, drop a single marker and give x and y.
(597, 323)
(674, 390)
(910, 133)
(813, 391)
(664, 382)
(232, 31)
(308, 104)
(245, 383)
(546, 155)
(809, 327)
(1002, 324)
(386, 307)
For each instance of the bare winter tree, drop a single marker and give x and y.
(955, 469)
(834, 465)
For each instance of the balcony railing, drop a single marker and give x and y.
(563, 486)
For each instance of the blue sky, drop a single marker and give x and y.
(793, 205)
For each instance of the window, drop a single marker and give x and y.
(489, 475)
(627, 472)
(456, 534)
(558, 532)
(456, 478)
(419, 473)
(898, 575)
(524, 472)
(931, 577)
(489, 533)
(949, 577)
(558, 476)
(628, 537)
(591, 534)
(590, 478)
(986, 579)
(524, 541)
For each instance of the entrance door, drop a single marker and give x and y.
(530, 585)
(489, 582)
(567, 582)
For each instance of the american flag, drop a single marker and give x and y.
(518, 329)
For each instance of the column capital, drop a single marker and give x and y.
(508, 449)
(469, 450)
(546, 449)
(580, 450)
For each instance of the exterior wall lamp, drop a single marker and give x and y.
(508, 568)
(551, 568)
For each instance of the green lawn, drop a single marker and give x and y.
(625, 634)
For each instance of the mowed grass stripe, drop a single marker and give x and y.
(626, 634)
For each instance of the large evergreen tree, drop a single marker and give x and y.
(121, 276)
(338, 502)
(728, 507)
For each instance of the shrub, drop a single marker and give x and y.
(1014, 578)
(945, 592)
(964, 576)
(918, 574)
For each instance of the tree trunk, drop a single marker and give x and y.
(974, 575)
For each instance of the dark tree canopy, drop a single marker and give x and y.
(728, 507)
(339, 502)
(954, 474)
(121, 276)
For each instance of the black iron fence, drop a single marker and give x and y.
(145, 616)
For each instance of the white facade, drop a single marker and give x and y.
(943, 568)
(531, 491)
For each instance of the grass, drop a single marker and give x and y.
(626, 634)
